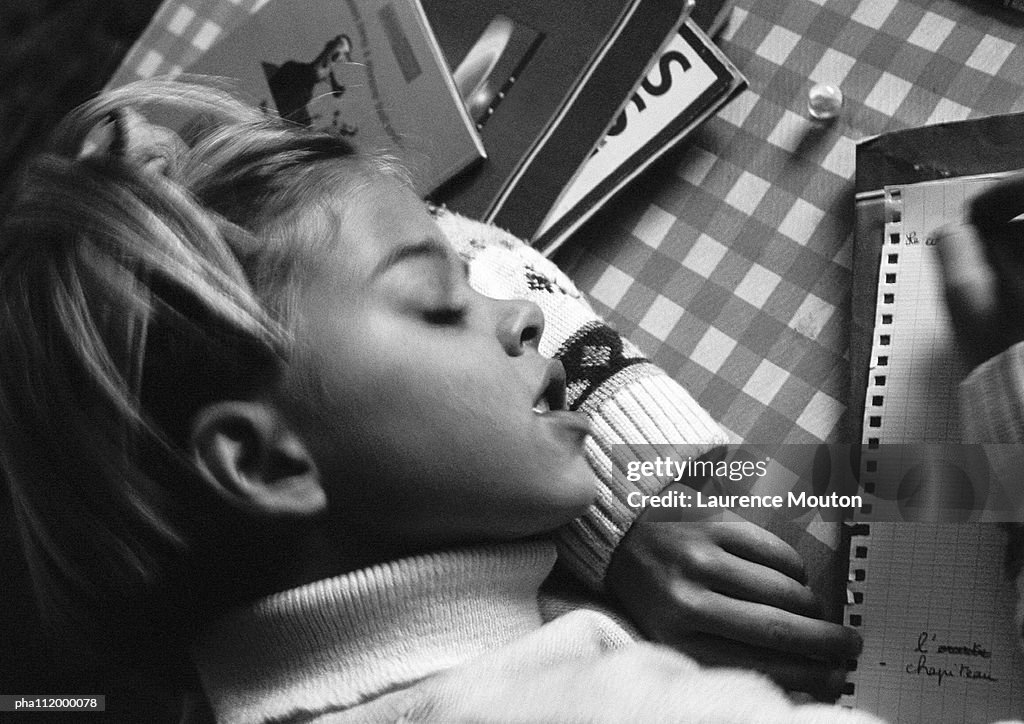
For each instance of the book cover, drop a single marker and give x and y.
(370, 71)
(689, 81)
(559, 74)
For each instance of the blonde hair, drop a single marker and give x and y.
(129, 297)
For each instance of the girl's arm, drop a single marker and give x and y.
(728, 593)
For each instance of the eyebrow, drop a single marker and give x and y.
(429, 247)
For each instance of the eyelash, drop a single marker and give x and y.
(445, 315)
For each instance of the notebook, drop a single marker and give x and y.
(914, 465)
(912, 394)
(930, 599)
(911, 155)
(936, 614)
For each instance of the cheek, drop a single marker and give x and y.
(448, 433)
(408, 398)
(408, 407)
(446, 377)
(414, 446)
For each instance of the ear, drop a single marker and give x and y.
(249, 454)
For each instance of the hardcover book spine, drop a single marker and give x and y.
(614, 75)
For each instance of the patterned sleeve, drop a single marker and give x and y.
(992, 399)
(628, 399)
(992, 411)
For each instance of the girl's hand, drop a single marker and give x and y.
(730, 593)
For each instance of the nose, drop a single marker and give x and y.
(520, 325)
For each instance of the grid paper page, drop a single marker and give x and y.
(936, 614)
(915, 465)
(913, 345)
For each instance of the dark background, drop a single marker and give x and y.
(54, 54)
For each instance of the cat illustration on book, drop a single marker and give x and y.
(292, 84)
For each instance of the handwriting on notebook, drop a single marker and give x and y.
(937, 617)
(931, 601)
(949, 660)
(912, 238)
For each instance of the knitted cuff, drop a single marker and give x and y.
(992, 399)
(629, 400)
(639, 405)
(992, 415)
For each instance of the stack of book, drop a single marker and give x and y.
(525, 113)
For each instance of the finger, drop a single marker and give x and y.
(772, 628)
(754, 543)
(790, 671)
(995, 213)
(972, 288)
(743, 579)
(998, 204)
(1004, 250)
(984, 287)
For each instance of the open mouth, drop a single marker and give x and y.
(552, 394)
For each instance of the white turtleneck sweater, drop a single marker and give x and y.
(459, 636)
(344, 641)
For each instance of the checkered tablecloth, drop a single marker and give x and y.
(729, 263)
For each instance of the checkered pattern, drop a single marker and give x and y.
(179, 34)
(729, 262)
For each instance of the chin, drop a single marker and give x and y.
(537, 520)
(568, 498)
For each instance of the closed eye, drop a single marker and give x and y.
(445, 315)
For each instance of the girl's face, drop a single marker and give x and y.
(431, 422)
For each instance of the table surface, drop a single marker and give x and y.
(729, 262)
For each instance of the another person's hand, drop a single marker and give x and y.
(983, 271)
(731, 594)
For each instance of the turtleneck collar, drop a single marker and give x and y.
(341, 641)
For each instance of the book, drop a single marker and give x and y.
(927, 153)
(906, 367)
(916, 464)
(553, 77)
(371, 71)
(930, 597)
(690, 80)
